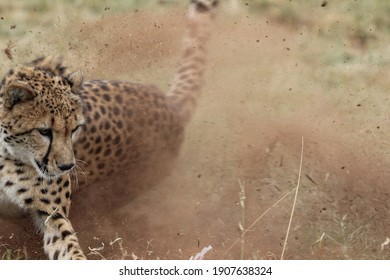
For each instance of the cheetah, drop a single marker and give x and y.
(49, 117)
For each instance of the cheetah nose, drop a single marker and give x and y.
(65, 167)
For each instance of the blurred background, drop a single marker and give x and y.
(278, 70)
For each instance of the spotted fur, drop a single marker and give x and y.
(40, 116)
(44, 110)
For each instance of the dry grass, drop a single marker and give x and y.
(245, 231)
(13, 254)
(242, 222)
(294, 203)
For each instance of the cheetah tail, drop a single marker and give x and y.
(51, 64)
(187, 83)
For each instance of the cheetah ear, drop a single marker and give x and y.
(17, 92)
(75, 80)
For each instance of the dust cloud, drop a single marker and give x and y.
(260, 99)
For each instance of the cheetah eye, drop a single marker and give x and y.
(45, 132)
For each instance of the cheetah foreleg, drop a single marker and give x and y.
(60, 240)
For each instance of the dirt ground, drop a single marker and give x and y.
(260, 99)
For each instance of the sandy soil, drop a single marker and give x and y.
(259, 101)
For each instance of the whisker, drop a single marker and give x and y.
(81, 171)
(74, 175)
(79, 160)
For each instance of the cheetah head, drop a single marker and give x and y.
(40, 119)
